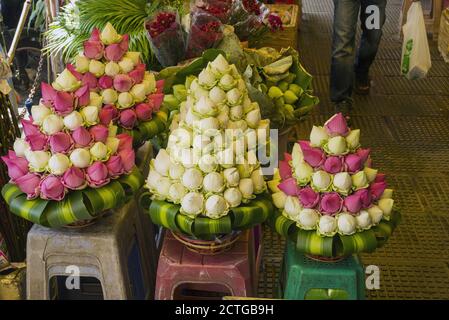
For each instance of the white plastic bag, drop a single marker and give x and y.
(415, 62)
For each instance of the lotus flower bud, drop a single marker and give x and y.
(333, 165)
(234, 97)
(58, 164)
(29, 184)
(144, 111)
(377, 189)
(112, 143)
(138, 92)
(93, 48)
(225, 157)
(337, 145)
(90, 115)
(81, 137)
(313, 156)
(112, 131)
(370, 174)
(331, 203)
(386, 205)
(115, 166)
(138, 74)
(128, 118)
(126, 65)
(175, 171)
(208, 126)
(352, 139)
(39, 113)
(236, 113)
(60, 142)
(17, 166)
(99, 151)
(206, 79)
(238, 125)
(123, 83)
(112, 69)
(52, 124)
(114, 52)
(279, 199)
(74, 178)
(258, 181)
(97, 175)
(216, 207)
(66, 81)
(107, 114)
(318, 136)
(96, 68)
(285, 171)
(232, 177)
(363, 220)
(21, 147)
(289, 187)
(128, 159)
(51, 188)
(134, 56)
(353, 163)
(109, 35)
(308, 197)
(346, 224)
(327, 225)
(162, 162)
(342, 182)
(303, 173)
(227, 82)
(37, 160)
(233, 196)
(308, 219)
(321, 180)
(105, 82)
(80, 158)
(90, 81)
(192, 204)
(363, 154)
(29, 128)
(365, 197)
(220, 65)
(359, 180)
(336, 126)
(82, 63)
(292, 207)
(388, 194)
(109, 96)
(95, 100)
(376, 214)
(63, 103)
(192, 179)
(99, 132)
(208, 163)
(217, 95)
(125, 100)
(149, 86)
(213, 182)
(176, 192)
(246, 187)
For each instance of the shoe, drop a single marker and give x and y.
(362, 86)
(345, 107)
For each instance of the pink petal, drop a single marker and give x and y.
(73, 71)
(287, 157)
(160, 86)
(156, 99)
(29, 128)
(308, 197)
(363, 154)
(83, 95)
(63, 103)
(337, 126)
(90, 80)
(114, 52)
(48, 93)
(285, 170)
(289, 187)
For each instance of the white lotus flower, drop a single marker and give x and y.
(21, 147)
(342, 182)
(201, 142)
(353, 138)
(138, 92)
(238, 125)
(387, 194)
(227, 82)
(217, 95)
(111, 69)
(297, 156)
(363, 220)
(245, 169)
(37, 160)
(192, 204)
(232, 177)
(58, 164)
(82, 63)
(321, 180)
(216, 207)
(39, 113)
(303, 173)
(233, 196)
(201, 93)
(213, 182)
(125, 100)
(327, 226)
(189, 159)
(192, 179)
(175, 171)
(183, 137)
(208, 163)
(162, 162)
(80, 158)
(370, 173)
(66, 81)
(223, 117)
(52, 124)
(248, 105)
(236, 113)
(346, 223)
(234, 97)
(110, 96)
(246, 188)
(133, 55)
(191, 119)
(251, 139)
(318, 136)
(359, 180)
(386, 205)
(225, 158)
(149, 85)
(308, 219)
(376, 214)
(258, 181)
(90, 115)
(208, 126)
(279, 199)
(220, 65)
(176, 192)
(251, 158)
(337, 145)
(253, 118)
(95, 99)
(109, 35)
(112, 143)
(162, 189)
(126, 65)
(207, 79)
(73, 121)
(96, 68)
(205, 107)
(99, 151)
(152, 179)
(292, 207)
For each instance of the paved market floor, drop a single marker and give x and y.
(405, 123)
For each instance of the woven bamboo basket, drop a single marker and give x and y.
(208, 247)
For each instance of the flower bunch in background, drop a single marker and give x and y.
(205, 32)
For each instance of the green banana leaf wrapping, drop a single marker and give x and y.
(311, 243)
(76, 206)
(244, 217)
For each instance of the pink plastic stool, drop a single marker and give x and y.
(183, 274)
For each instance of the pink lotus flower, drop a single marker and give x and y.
(337, 126)
(63, 103)
(363, 154)
(97, 175)
(160, 86)
(308, 197)
(17, 166)
(287, 157)
(99, 132)
(90, 80)
(128, 157)
(128, 118)
(285, 171)
(353, 203)
(29, 184)
(93, 48)
(138, 73)
(51, 188)
(115, 166)
(83, 95)
(380, 177)
(333, 165)
(48, 93)
(156, 99)
(331, 203)
(126, 142)
(29, 128)
(313, 156)
(81, 137)
(124, 44)
(73, 71)
(365, 197)
(377, 189)
(37, 141)
(144, 111)
(122, 83)
(61, 142)
(74, 179)
(353, 163)
(105, 82)
(115, 51)
(289, 187)
(107, 114)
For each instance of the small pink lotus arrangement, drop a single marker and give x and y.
(329, 190)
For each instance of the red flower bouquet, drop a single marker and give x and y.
(206, 31)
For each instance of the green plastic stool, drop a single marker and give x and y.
(305, 279)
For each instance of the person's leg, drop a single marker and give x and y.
(370, 40)
(343, 47)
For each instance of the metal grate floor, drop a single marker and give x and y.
(405, 124)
